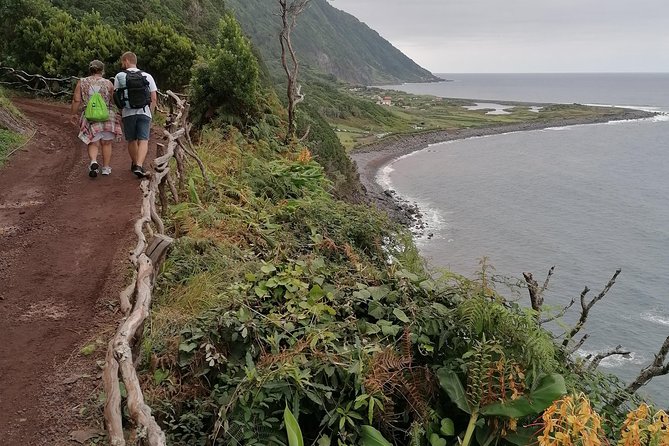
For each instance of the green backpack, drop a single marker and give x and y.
(96, 109)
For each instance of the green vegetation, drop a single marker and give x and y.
(47, 40)
(358, 119)
(328, 40)
(278, 295)
(285, 315)
(226, 82)
(9, 140)
(163, 52)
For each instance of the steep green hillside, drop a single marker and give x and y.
(331, 41)
(326, 39)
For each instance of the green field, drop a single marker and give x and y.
(415, 113)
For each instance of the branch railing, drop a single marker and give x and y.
(122, 355)
(135, 301)
(36, 83)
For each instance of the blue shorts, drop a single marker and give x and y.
(136, 127)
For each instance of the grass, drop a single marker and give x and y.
(8, 142)
(411, 113)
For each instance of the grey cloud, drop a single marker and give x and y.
(532, 35)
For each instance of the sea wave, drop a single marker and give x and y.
(615, 361)
(432, 217)
(662, 112)
(656, 318)
(383, 176)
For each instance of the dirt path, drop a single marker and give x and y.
(63, 241)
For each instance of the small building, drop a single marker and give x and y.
(387, 100)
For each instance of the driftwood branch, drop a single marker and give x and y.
(586, 307)
(136, 298)
(594, 363)
(37, 83)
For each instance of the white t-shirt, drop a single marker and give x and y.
(119, 82)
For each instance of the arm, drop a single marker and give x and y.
(154, 101)
(110, 88)
(76, 102)
(154, 92)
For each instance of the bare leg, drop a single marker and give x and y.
(132, 151)
(106, 153)
(93, 151)
(142, 150)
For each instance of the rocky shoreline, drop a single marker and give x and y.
(373, 157)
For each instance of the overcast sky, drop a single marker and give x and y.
(496, 36)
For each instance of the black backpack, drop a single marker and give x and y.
(137, 88)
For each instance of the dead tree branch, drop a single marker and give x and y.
(559, 314)
(586, 307)
(594, 363)
(289, 10)
(656, 368)
(37, 83)
(579, 344)
(536, 292)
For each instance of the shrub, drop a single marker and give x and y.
(64, 46)
(163, 52)
(226, 83)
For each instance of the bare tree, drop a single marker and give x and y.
(289, 10)
(659, 367)
(586, 307)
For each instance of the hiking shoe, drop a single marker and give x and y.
(106, 170)
(139, 171)
(93, 169)
(132, 167)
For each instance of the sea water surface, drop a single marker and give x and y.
(588, 199)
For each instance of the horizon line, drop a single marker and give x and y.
(549, 72)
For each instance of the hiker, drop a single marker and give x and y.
(98, 123)
(135, 93)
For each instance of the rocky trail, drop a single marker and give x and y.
(64, 239)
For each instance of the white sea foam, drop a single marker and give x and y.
(615, 361)
(662, 116)
(431, 216)
(383, 176)
(656, 318)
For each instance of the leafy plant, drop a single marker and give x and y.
(371, 437)
(292, 429)
(541, 396)
(226, 80)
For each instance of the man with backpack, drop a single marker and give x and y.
(135, 94)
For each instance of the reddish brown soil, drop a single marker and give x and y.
(63, 243)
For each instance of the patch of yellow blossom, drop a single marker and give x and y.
(642, 429)
(304, 157)
(571, 421)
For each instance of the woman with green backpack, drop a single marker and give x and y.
(93, 111)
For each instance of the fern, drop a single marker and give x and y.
(515, 330)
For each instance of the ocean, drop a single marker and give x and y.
(588, 199)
